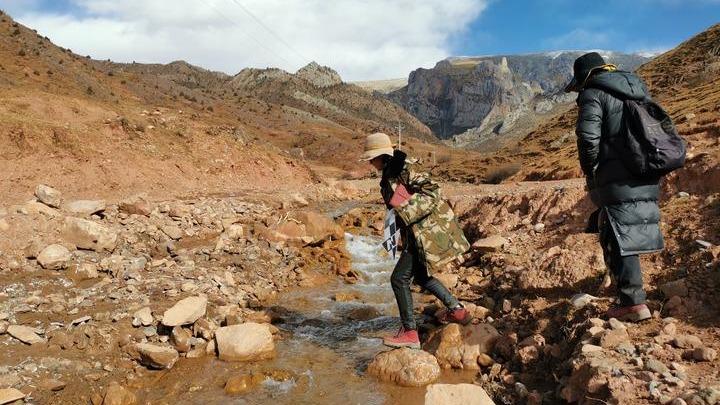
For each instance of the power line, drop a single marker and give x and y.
(270, 30)
(263, 46)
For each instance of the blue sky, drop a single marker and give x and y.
(361, 39)
(514, 26)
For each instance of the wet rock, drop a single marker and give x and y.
(466, 394)
(242, 384)
(363, 313)
(85, 271)
(85, 207)
(346, 296)
(157, 357)
(48, 196)
(142, 317)
(181, 339)
(25, 334)
(54, 257)
(118, 395)
(185, 311)
(687, 342)
(86, 234)
(704, 354)
(245, 342)
(459, 346)
(405, 367)
(675, 288)
(9, 395)
(494, 243)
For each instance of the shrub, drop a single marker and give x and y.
(496, 175)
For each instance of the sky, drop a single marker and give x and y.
(361, 39)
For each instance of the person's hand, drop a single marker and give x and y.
(400, 197)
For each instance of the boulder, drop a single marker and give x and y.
(405, 367)
(494, 243)
(142, 317)
(173, 232)
(447, 279)
(245, 342)
(48, 196)
(185, 311)
(180, 337)
(10, 395)
(85, 271)
(135, 206)
(157, 357)
(118, 395)
(460, 346)
(25, 334)
(86, 234)
(673, 288)
(465, 394)
(54, 257)
(687, 342)
(85, 207)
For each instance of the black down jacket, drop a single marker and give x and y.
(631, 203)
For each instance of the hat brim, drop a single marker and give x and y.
(571, 86)
(574, 85)
(373, 153)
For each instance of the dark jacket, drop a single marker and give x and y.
(630, 202)
(427, 222)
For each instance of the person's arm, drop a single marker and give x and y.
(588, 131)
(424, 199)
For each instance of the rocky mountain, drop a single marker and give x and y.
(383, 86)
(481, 97)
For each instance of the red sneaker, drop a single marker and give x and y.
(404, 338)
(457, 315)
(633, 313)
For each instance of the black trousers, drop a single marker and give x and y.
(410, 266)
(625, 270)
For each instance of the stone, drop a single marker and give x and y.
(457, 346)
(185, 311)
(157, 357)
(687, 342)
(48, 196)
(447, 279)
(242, 384)
(678, 401)
(613, 337)
(86, 234)
(118, 395)
(181, 339)
(494, 243)
(616, 324)
(539, 227)
(245, 342)
(465, 394)
(52, 384)
(173, 232)
(25, 334)
(235, 232)
(85, 271)
(4, 225)
(135, 206)
(588, 348)
(655, 366)
(85, 207)
(405, 367)
(673, 288)
(54, 257)
(143, 317)
(346, 296)
(9, 395)
(582, 299)
(704, 354)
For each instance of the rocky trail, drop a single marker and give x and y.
(266, 299)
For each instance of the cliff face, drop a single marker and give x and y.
(489, 94)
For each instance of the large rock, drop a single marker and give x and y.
(307, 227)
(24, 334)
(157, 357)
(405, 367)
(677, 287)
(118, 395)
(460, 346)
(86, 234)
(461, 394)
(85, 207)
(9, 395)
(245, 342)
(54, 257)
(494, 243)
(185, 311)
(48, 196)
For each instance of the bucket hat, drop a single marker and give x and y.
(377, 144)
(583, 67)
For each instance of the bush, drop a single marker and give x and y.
(497, 174)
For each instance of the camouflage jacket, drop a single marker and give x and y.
(427, 221)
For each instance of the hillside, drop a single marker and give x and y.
(176, 127)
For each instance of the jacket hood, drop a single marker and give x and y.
(624, 84)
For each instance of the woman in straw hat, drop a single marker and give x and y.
(431, 236)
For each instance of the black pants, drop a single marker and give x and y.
(625, 270)
(410, 266)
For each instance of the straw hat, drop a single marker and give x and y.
(377, 144)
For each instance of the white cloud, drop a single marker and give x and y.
(363, 40)
(580, 38)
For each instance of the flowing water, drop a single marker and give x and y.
(323, 361)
